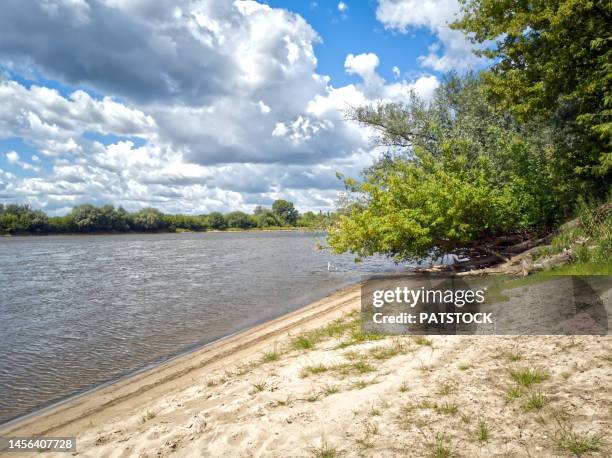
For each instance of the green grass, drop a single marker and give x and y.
(270, 356)
(388, 351)
(339, 327)
(483, 433)
(404, 387)
(304, 342)
(527, 377)
(354, 355)
(584, 268)
(357, 337)
(446, 388)
(577, 444)
(313, 370)
(448, 408)
(361, 384)
(464, 367)
(357, 367)
(513, 356)
(513, 393)
(439, 447)
(259, 386)
(328, 390)
(324, 451)
(422, 340)
(590, 239)
(535, 401)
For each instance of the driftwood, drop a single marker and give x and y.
(529, 257)
(523, 264)
(527, 244)
(514, 255)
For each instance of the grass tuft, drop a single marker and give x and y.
(361, 384)
(483, 434)
(304, 342)
(328, 390)
(259, 386)
(439, 447)
(358, 337)
(422, 340)
(388, 351)
(527, 377)
(513, 393)
(447, 408)
(577, 444)
(446, 388)
(313, 370)
(324, 451)
(535, 402)
(270, 356)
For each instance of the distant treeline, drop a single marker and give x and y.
(22, 219)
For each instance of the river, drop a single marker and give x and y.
(77, 311)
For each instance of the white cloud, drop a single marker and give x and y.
(364, 65)
(452, 51)
(13, 158)
(225, 97)
(52, 122)
(265, 109)
(396, 71)
(342, 7)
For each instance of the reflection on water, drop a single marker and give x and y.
(79, 310)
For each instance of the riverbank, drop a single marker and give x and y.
(310, 382)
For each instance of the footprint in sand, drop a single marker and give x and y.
(237, 438)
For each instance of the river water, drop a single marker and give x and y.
(77, 311)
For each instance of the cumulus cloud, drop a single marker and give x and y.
(207, 105)
(52, 122)
(13, 157)
(364, 65)
(452, 51)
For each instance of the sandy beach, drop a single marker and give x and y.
(312, 384)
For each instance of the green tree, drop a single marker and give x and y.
(217, 221)
(87, 218)
(15, 218)
(148, 219)
(458, 172)
(285, 211)
(238, 219)
(552, 64)
(267, 218)
(315, 220)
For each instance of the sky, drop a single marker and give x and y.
(207, 105)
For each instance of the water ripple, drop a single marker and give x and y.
(80, 310)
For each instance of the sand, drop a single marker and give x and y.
(258, 393)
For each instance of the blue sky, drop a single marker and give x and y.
(201, 106)
(358, 31)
